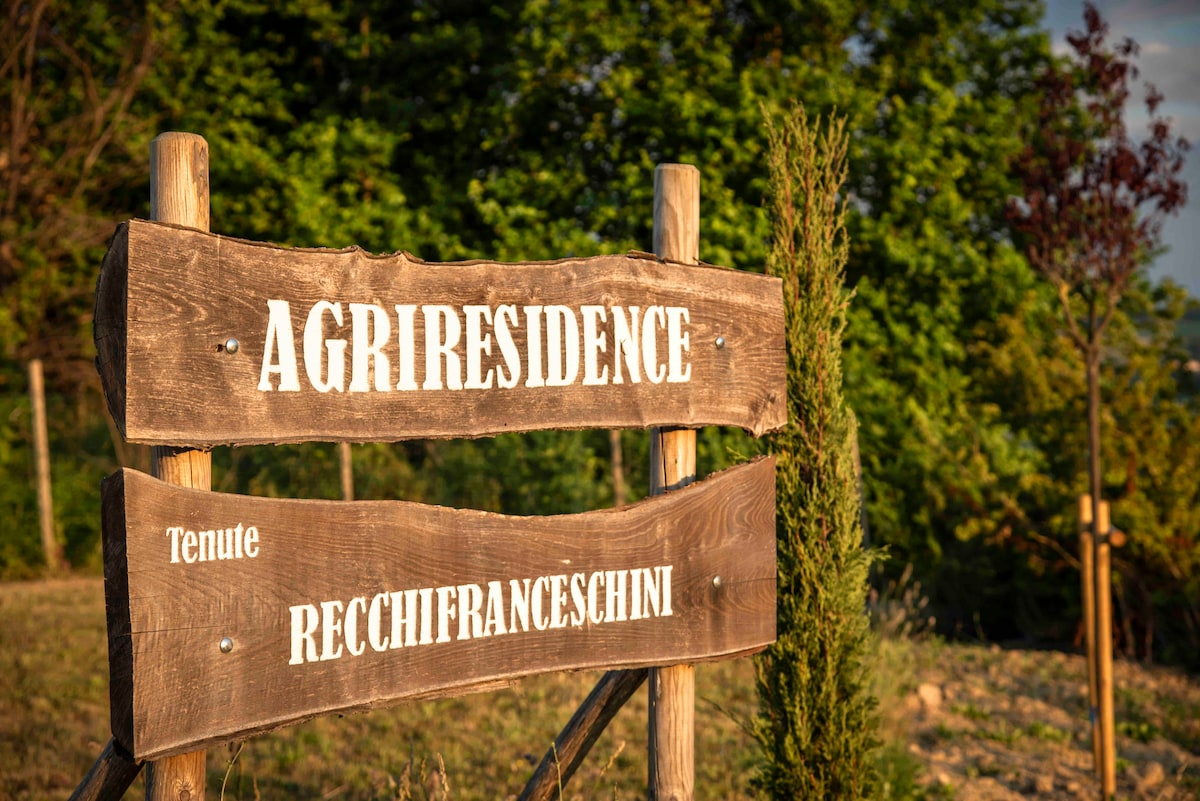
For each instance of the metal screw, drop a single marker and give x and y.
(720, 343)
(232, 345)
(716, 581)
(226, 644)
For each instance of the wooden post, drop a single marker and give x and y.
(580, 734)
(110, 777)
(179, 195)
(41, 461)
(673, 465)
(1104, 652)
(347, 470)
(618, 466)
(1088, 583)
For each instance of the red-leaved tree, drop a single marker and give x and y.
(1091, 216)
(1095, 200)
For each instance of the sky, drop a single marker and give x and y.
(1168, 35)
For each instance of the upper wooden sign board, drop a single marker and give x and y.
(205, 340)
(229, 615)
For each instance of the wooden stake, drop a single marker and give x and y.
(673, 465)
(1089, 621)
(347, 469)
(41, 460)
(618, 466)
(179, 195)
(1104, 653)
(110, 777)
(580, 734)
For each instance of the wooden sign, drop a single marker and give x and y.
(229, 615)
(206, 340)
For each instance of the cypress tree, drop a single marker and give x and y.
(816, 722)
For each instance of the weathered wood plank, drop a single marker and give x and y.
(706, 343)
(323, 590)
(671, 774)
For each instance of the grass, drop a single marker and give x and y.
(54, 722)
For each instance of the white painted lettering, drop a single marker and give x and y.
(371, 331)
(493, 623)
(406, 341)
(305, 620)
(540, 621)
(439, 349)
(280, 343)
(625, 345)
(594, 343)
(331, 629)
(470, 614)
(558, 601)
(677, 344)
(174, 532)
(579, 613)
(446, 611)
(650, 343)
(354, 644)
(375, 635)
(519, 609)
(318, 350)
(189, 547)
(533, 343)
(614, 595)
(251, 545)
(562, 346)
(595, 583)
(479, 345)
(509, 374)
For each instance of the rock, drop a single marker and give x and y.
(1041, 785)
(931, 697)
(1150, 776)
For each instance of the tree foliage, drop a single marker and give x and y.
(72, 139)
(1090, 214)
(530, 130)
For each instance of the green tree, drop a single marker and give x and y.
(530, 130)
(933, 274)
(816, 720)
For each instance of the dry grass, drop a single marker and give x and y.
(1009, 724)
(54, 722)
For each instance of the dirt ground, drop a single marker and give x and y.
(988, 724)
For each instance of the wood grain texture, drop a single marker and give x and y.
(41, 460)
(1104, 652)
(169, 298)
(179, 195)
(672, 689)
(1088, 596)
(174, 690)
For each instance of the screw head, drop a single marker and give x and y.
(232, 345)
(720, 343)
(716, 581)
(226, 644)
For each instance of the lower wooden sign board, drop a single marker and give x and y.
(230, 615)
